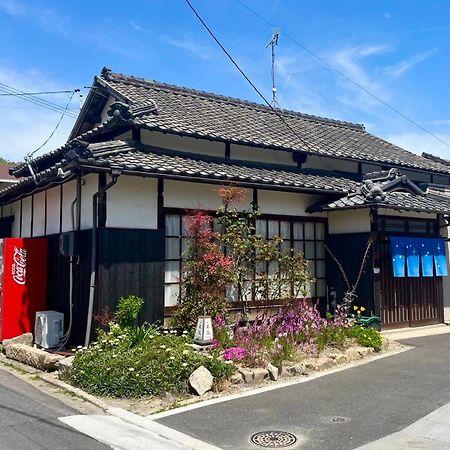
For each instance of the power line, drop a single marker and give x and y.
(35, 100)
(343, 75)
(246, 77)
(30, 155)
(41, 93)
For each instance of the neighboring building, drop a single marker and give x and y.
(145, 153)
(6, 180)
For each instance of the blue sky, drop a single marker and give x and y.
(398, 50)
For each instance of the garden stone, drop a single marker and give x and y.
(247, 374)
(298, 369)
(339, 358)
(64, 367)
(273, 372)
(201, 380)
(259, 374)
(25, 339)
(236, 378)
(323, 363)
(364, 351)
(34, 357)
(352, 354)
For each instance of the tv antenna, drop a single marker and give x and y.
(272, 43)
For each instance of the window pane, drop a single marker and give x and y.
(172, 248)
(320, 231)
(171, 294)
(172, 225)
(184, 247)
(217, 227)
(232, 294)
(261, 227)
(320, 269)
(417, 227)
(285, 247)
(273, 228)
(285, 230)
(321, 287)
(320, 249)
(309, 249)
(311, 268)
(273, 267)
(309, 230)
(393, 225)
(298, 230)
(299, 247)
(172, 272)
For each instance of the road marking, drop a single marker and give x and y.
(120, 435)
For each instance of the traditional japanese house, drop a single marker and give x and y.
(143, 153)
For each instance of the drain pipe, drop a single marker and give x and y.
(115, 173)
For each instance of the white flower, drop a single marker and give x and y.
(165, 332)
(162, 346)
(184, 364)
(131, 369)
(228, 362)
(185, 332)
(172, 357)
(185, 352)
(209, 356)
(173, 331)
(79, 347)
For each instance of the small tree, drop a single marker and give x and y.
(206, 273)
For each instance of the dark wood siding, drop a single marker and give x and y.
(349, 250)
(58, 283)
(131, 262)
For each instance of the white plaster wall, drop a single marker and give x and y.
(6, 210)
(320, 162)
(39, 214)
(53, 199)
(247, 153)
(26, 217)
(69, 195)
(349, 221)
(287, 203)
(104, 116)
(15, 227)
(89, 187)
(132, 203)
(186, 195)
(182, 143)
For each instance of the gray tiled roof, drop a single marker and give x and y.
(197, 113)
(394, 200)
(137, 157)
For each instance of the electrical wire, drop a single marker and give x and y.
(30, 155)
(35, 100)
(41, 93)
(302, 141)
(343, 75)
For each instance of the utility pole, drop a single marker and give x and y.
(272, 43)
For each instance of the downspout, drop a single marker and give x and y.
(115, 173)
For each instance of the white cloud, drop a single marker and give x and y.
(191, 46)
(422, 142)
(399, 69)
(12, 7)
(24, 126)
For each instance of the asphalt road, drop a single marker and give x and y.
(29, 420)
(343, 410)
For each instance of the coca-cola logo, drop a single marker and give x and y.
(19, 265)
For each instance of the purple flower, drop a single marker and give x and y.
(234, 354)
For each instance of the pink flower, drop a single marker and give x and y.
(234, 354)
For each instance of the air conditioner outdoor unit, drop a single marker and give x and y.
(48, 328)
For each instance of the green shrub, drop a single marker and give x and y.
(368, 337)
(331, 335)
(128, 310)
(135, 362)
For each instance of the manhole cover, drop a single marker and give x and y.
(273, 439)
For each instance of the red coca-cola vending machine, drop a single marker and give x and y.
(23, 284)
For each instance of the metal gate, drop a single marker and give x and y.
(408, 301)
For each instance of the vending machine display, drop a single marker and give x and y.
(23, 284)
